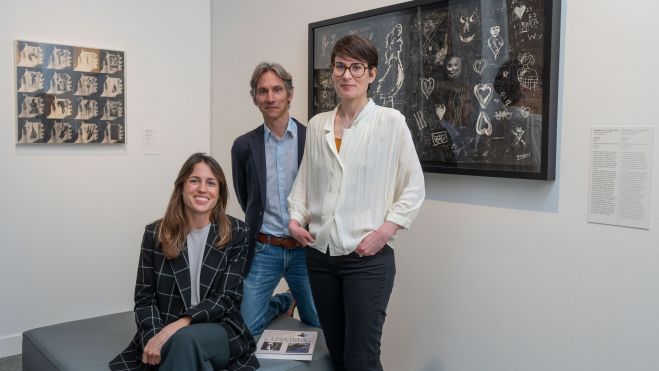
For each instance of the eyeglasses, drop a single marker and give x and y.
(357, 70)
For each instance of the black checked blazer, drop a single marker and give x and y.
(250, 178)
(162, 295)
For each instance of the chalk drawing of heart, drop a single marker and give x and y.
(483, 93)
(483, 124)
(427, 85)
(519, 11)
(440, 110)
(525, 111)
(479, 66)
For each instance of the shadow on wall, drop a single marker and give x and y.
(433, 365)
(522, 194)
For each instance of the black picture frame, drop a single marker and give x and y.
(477, 80)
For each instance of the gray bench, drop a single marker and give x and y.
(88, 345)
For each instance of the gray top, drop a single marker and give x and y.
(196, 244)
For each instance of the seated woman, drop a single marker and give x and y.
(189, 281)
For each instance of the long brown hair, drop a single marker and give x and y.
(174, 226)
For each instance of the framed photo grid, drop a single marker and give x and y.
(69, 94)
(476, 80)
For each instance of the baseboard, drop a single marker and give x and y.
(10, 345)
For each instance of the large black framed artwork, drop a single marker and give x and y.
(476, 80)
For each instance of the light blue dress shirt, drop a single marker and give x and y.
(281, 169)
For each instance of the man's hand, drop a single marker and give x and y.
(300, 234)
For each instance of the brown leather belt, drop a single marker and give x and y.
(283, 242)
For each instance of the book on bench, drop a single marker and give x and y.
(278, 344)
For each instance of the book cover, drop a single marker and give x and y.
(279, 344)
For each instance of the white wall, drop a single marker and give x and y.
(72, 217)
(496, 274)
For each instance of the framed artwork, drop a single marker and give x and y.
(69, 94)
(476, 80)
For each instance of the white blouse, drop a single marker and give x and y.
(343, 196)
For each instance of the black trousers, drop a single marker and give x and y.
(200, 346)
(351, 296)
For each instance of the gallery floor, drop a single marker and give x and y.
(12, 363)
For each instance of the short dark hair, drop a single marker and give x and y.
(357, 47)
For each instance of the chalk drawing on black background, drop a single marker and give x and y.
(526, 75)
(479, 66)
(483, 124)
(328, 43)
(454, 67)
(420, 121)
(525, 111)
(394, 75)
(457, 102)
(467, 68)
(440, 137)
(525, 21)
(427, 86)
(495, 42)
(483, 93)
(469, 23)
(440, 111)
(434, 45)
(503, 115)
(518, 133)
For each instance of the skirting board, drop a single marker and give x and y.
(10, 345)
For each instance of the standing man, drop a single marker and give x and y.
(265, 162)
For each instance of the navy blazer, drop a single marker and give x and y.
(162, 295)
(249, 177)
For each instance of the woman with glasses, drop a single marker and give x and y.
(189, 281)
(360, 181)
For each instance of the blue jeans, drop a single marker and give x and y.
(269, 265)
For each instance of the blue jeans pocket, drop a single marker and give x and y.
(259, 247)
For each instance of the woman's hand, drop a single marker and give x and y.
(375, 241)
(300, 234)
(151, 353)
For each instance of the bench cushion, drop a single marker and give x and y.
(88, 345)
